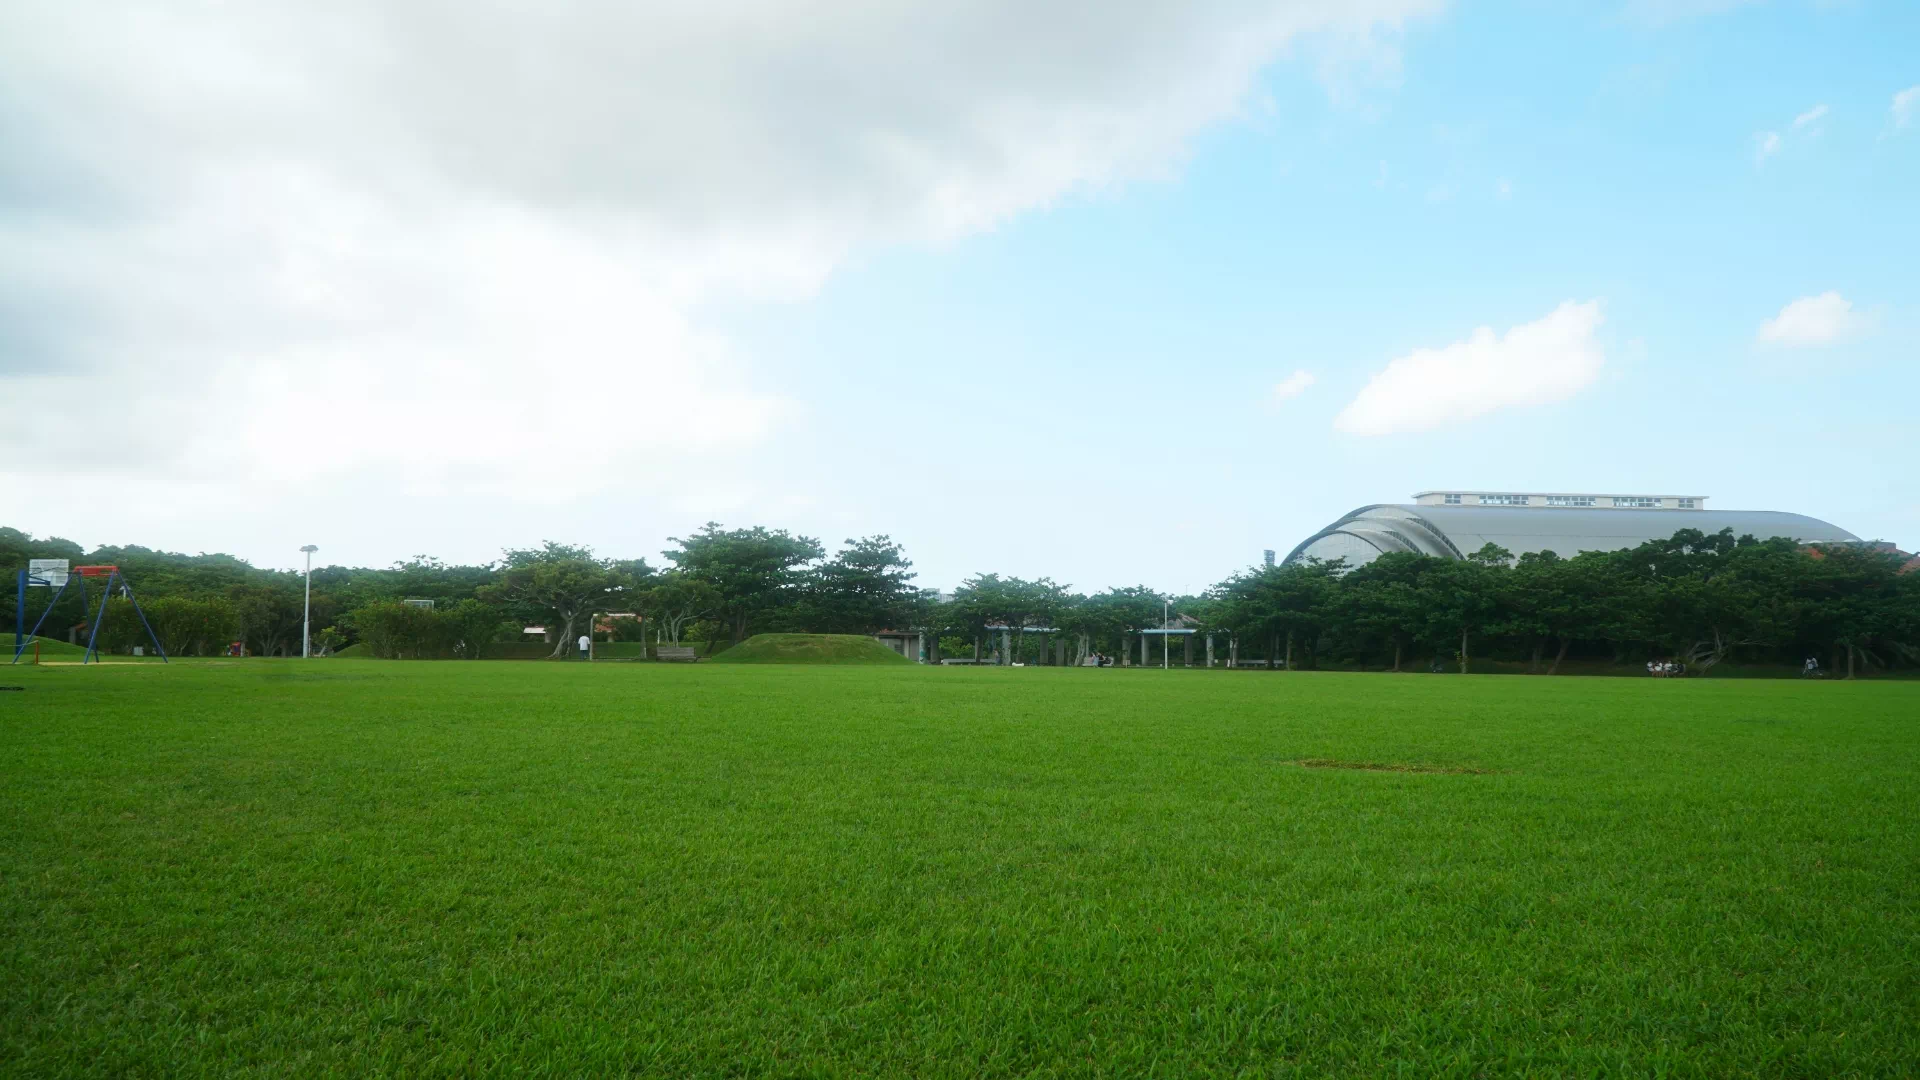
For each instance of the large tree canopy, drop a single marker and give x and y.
(751, 571)
(561, 585)
(867, 586)
(674, 599)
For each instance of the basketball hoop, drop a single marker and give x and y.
(52, 573)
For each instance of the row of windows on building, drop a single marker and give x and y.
(1644, 502)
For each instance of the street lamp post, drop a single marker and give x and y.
(1166, 623)
(306, 608)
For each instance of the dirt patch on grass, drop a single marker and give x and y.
(1386, 766)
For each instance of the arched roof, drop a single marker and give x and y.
(1454, 532)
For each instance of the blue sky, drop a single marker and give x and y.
(1530, 155)
(1079, 379)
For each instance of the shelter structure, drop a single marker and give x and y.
(908, 643)
(1455, 524)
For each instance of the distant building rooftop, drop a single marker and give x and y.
(1454, 524)
(1560, 500)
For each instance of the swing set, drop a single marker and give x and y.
(53, 574)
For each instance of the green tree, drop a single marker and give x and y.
(561, 585)
(988, 603)
(1128, 610)
(1852, 600)
(328, 640)
(751, 571)
(1281, 604)
(1701, 596)
(675, 599)
(1381, 601)
(268, 614)
(1551, 600)
(974, 605)
(867, 586)
(192, 626)
(471, 625)
(1465, 597)
(392, 630)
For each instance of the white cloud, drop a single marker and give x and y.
(1537, 363)
(1804, 126)
(1292, 386)
(1905, 104)
(429, 247)
(1812, 320)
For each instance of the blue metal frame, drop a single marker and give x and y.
(20, 613)
(99, 617)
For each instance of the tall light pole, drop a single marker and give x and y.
(1166, 623)
(306, 608)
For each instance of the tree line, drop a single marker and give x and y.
(1696, 598)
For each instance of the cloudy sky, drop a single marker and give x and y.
(1118, 292)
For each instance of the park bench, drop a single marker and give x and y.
(682, 653)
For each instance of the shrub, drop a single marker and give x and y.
(184, 625)
(395, 631)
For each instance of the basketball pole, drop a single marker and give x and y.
(20, 646)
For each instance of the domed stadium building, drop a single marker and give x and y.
(1455, 524)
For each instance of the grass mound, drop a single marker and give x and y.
(809, 649)
(55, 651)
(51, 648)
(356, 651)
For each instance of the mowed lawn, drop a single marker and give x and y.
(355, 867)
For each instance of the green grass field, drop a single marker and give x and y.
(458, 869)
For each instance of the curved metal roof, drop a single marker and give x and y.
(1454, 532)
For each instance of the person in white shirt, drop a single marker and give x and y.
(586, 645)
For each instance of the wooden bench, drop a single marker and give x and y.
(682, 653)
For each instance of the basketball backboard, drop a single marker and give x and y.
(47, 572)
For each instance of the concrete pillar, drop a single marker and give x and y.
(1186, 651)
(1145, 660)
(1209, 652)
(1006, 646)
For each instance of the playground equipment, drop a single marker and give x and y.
(53, 574)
